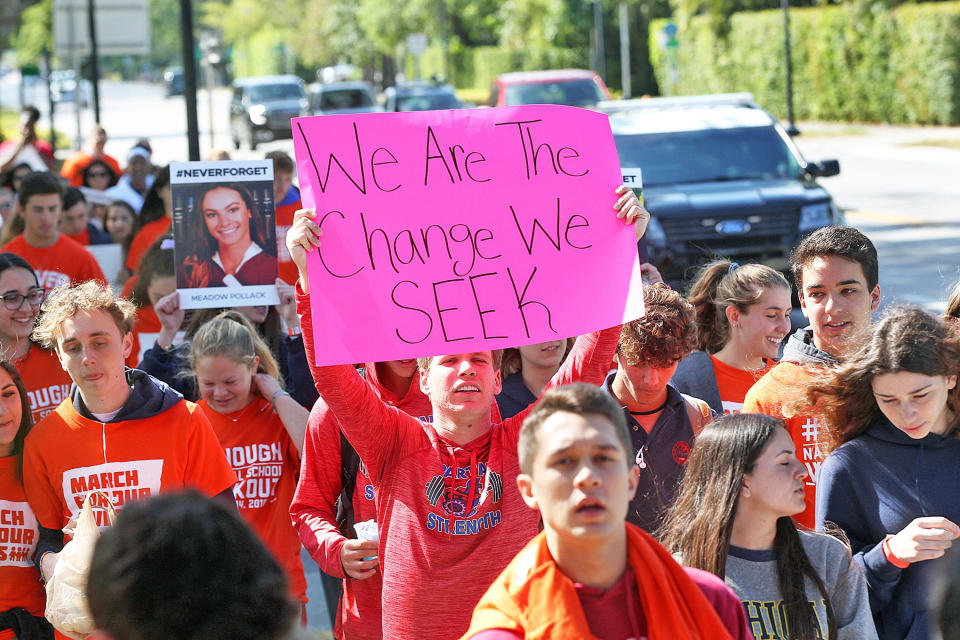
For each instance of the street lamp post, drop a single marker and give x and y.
(785, 5)
(601, 54)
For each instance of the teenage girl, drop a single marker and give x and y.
(260, 427)
(526, 371)
(20, 299)
(890, 479)
(743, 314)
(22, 598)
(733, 519)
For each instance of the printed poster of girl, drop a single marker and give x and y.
(225, 234)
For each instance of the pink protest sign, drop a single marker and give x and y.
(458, 231)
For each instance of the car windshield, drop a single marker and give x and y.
(271, 92)
(345, 99)
(708, 155)
(427, 102)
(576, 93)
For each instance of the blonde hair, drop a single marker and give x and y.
(67, 300)
(231, 335)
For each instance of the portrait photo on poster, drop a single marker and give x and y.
(224, 228)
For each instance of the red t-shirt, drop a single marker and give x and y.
(145, 239)
(43, 147)
(47, 383)
(266, 462)
(74, 166)
(67, 455)
(19, 580)
(82, 238)
(65, 261)
(734, 383)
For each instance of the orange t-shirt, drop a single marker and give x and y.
(65, 261)
(19, 580)
(767, 396)
(145, 239)
(267, 465)
(734, 383)
(47, 383)
(66, 455)
(82, 238)
(74, 166)
(286, 266)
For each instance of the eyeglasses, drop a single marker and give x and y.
(13, 300)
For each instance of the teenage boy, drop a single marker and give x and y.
(590, 574)
(120, 430)
(836, 272)
(286, 198)
(662, 421)
(447, 525)
(56, 258)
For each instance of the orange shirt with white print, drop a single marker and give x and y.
(46, 382)
(266, 462)
(66, 455)
(778, 387)
(733, 384)
(19, 580)
(63, 262)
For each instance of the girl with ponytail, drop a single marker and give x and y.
(260, 427)
(733, 518)
(743, 314)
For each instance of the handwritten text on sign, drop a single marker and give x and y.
(455, 231)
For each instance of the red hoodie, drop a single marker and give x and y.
(314, 506)
(450, 516)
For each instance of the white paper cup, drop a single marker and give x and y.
(367, 530)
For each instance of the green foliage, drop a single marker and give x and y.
(857, 62)
(35, 32)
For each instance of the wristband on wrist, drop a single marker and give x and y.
(42, 556)
(891, 557)
(276, 394)
(293, 331)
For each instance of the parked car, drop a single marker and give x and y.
(173, 81)
(574, 87)
(328, 98)
(63, 86)
(721, 178)
(421, 95)
(261, 108)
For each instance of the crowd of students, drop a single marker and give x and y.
(681, 476)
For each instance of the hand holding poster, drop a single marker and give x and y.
(224, 232)
(458, 231)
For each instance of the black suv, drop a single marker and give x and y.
(261, 108)
(721, 178)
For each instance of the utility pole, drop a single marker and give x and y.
(785, 5)
(598, 26)
(94, 61)
(189, 79)
(624, 51)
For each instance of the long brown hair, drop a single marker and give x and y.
(721, 284)
(699, 524)
(906, 339)
(26, 418)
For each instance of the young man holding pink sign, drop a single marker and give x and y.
(449, 517)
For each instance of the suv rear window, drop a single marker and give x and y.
(709, 155)
(426, 102)
(345, 99)
(575, 93)
(270, 92)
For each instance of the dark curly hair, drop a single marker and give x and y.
(665, 335)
